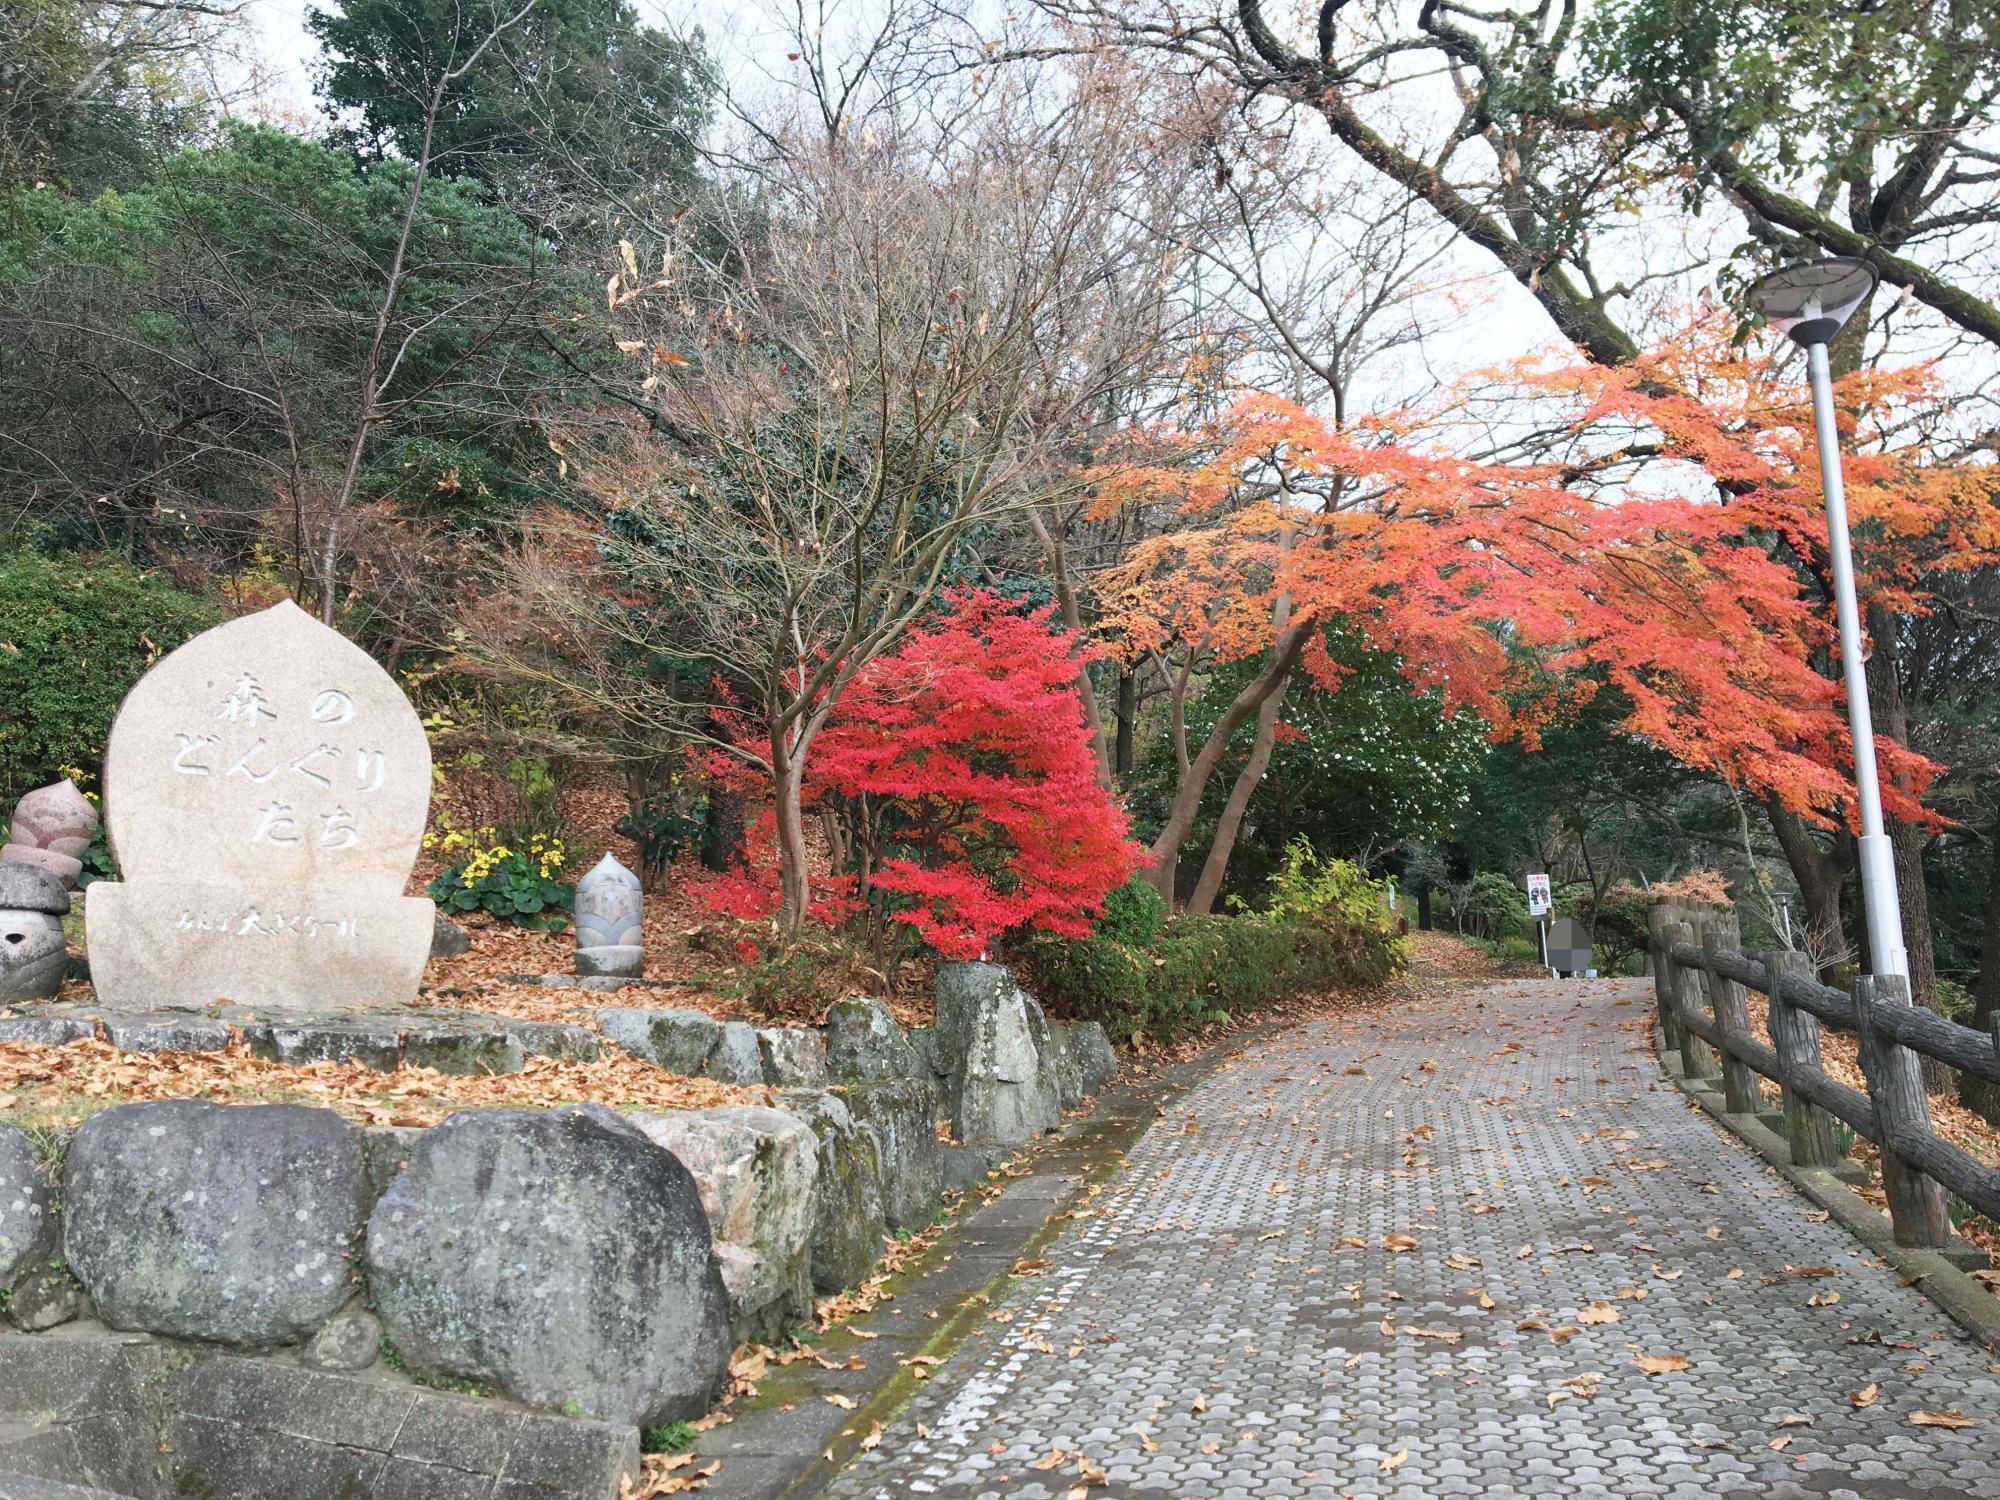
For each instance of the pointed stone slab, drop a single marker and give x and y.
(266, 787)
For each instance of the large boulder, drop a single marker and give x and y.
(923, 1041)
(736, 1057)
(757, 1171)
(848, 1227)
(863, 1041)
(901, 1113)
(560, 1257)
(233, 1224)
(373, 1044)
(794, 1056)
(678, 1040)
(27, 1207)
(998, 1056)
(1096, 1063)
(1060, 1065)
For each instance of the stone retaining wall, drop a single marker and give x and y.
(286, 1277)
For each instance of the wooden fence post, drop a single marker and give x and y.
(1740, 1093)
(1795, 1036)
(1697, 1057)
(1658, 918)
(1896, 1089)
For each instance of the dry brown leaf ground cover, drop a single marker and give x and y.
(685, 942)
(44, 1086)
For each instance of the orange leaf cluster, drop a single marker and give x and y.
(1667, 539)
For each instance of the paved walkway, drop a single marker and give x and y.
(1418, 1256)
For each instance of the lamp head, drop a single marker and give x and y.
(1813, 300)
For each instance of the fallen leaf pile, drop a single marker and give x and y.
(64, 1084)
(663, 1474)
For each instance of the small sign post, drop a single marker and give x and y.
(1540, 903)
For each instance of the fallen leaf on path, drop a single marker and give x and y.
(1865, 1396)
(1661, 1364)
(1598, 1312)
(1394, 1461)
(1941, 1419)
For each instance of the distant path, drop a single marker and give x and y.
(1209, 1332)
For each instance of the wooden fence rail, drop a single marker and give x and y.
(1701, 980)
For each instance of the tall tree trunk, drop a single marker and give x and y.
(1818, 874)
(1165, 853)
(1209, 886)
(1055, 551)
(1128, 722)
(794, 878)
(1885, 687)
(1906, 843)
(1978, 1093)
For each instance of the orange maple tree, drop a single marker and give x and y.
(1662, 537)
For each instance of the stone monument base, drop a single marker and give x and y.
(619, 961)
(153, 945)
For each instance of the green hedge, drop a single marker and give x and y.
(74, 637)
(1201, 970)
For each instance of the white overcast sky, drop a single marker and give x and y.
(750, 47)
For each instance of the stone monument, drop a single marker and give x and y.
(610, 933)
(265, 791)
(52, 827)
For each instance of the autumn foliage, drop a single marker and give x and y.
(1666, 539)
(962, 791)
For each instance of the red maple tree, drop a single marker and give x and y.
(961, 791)
(962, 770)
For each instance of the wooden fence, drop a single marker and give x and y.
(1702, 979)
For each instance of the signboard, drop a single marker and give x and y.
(1539, 903)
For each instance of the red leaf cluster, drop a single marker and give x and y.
(971, 733)
(959, 769)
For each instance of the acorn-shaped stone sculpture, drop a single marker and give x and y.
(52, 827)
(32, 955)
(610, 907)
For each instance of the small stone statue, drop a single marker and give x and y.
(32, 955)
(52, 827)
(610, 937)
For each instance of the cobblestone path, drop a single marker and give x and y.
(1420, 1254)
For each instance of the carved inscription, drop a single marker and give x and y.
(323, 791)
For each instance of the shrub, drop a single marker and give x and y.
(1205, 969)
(518, 885)
(1490, 906)
(663, 829)
(74, 636)
(1132, 914)
(960, 769)
(1306, 888)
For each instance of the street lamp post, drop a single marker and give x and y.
(1812, 303)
